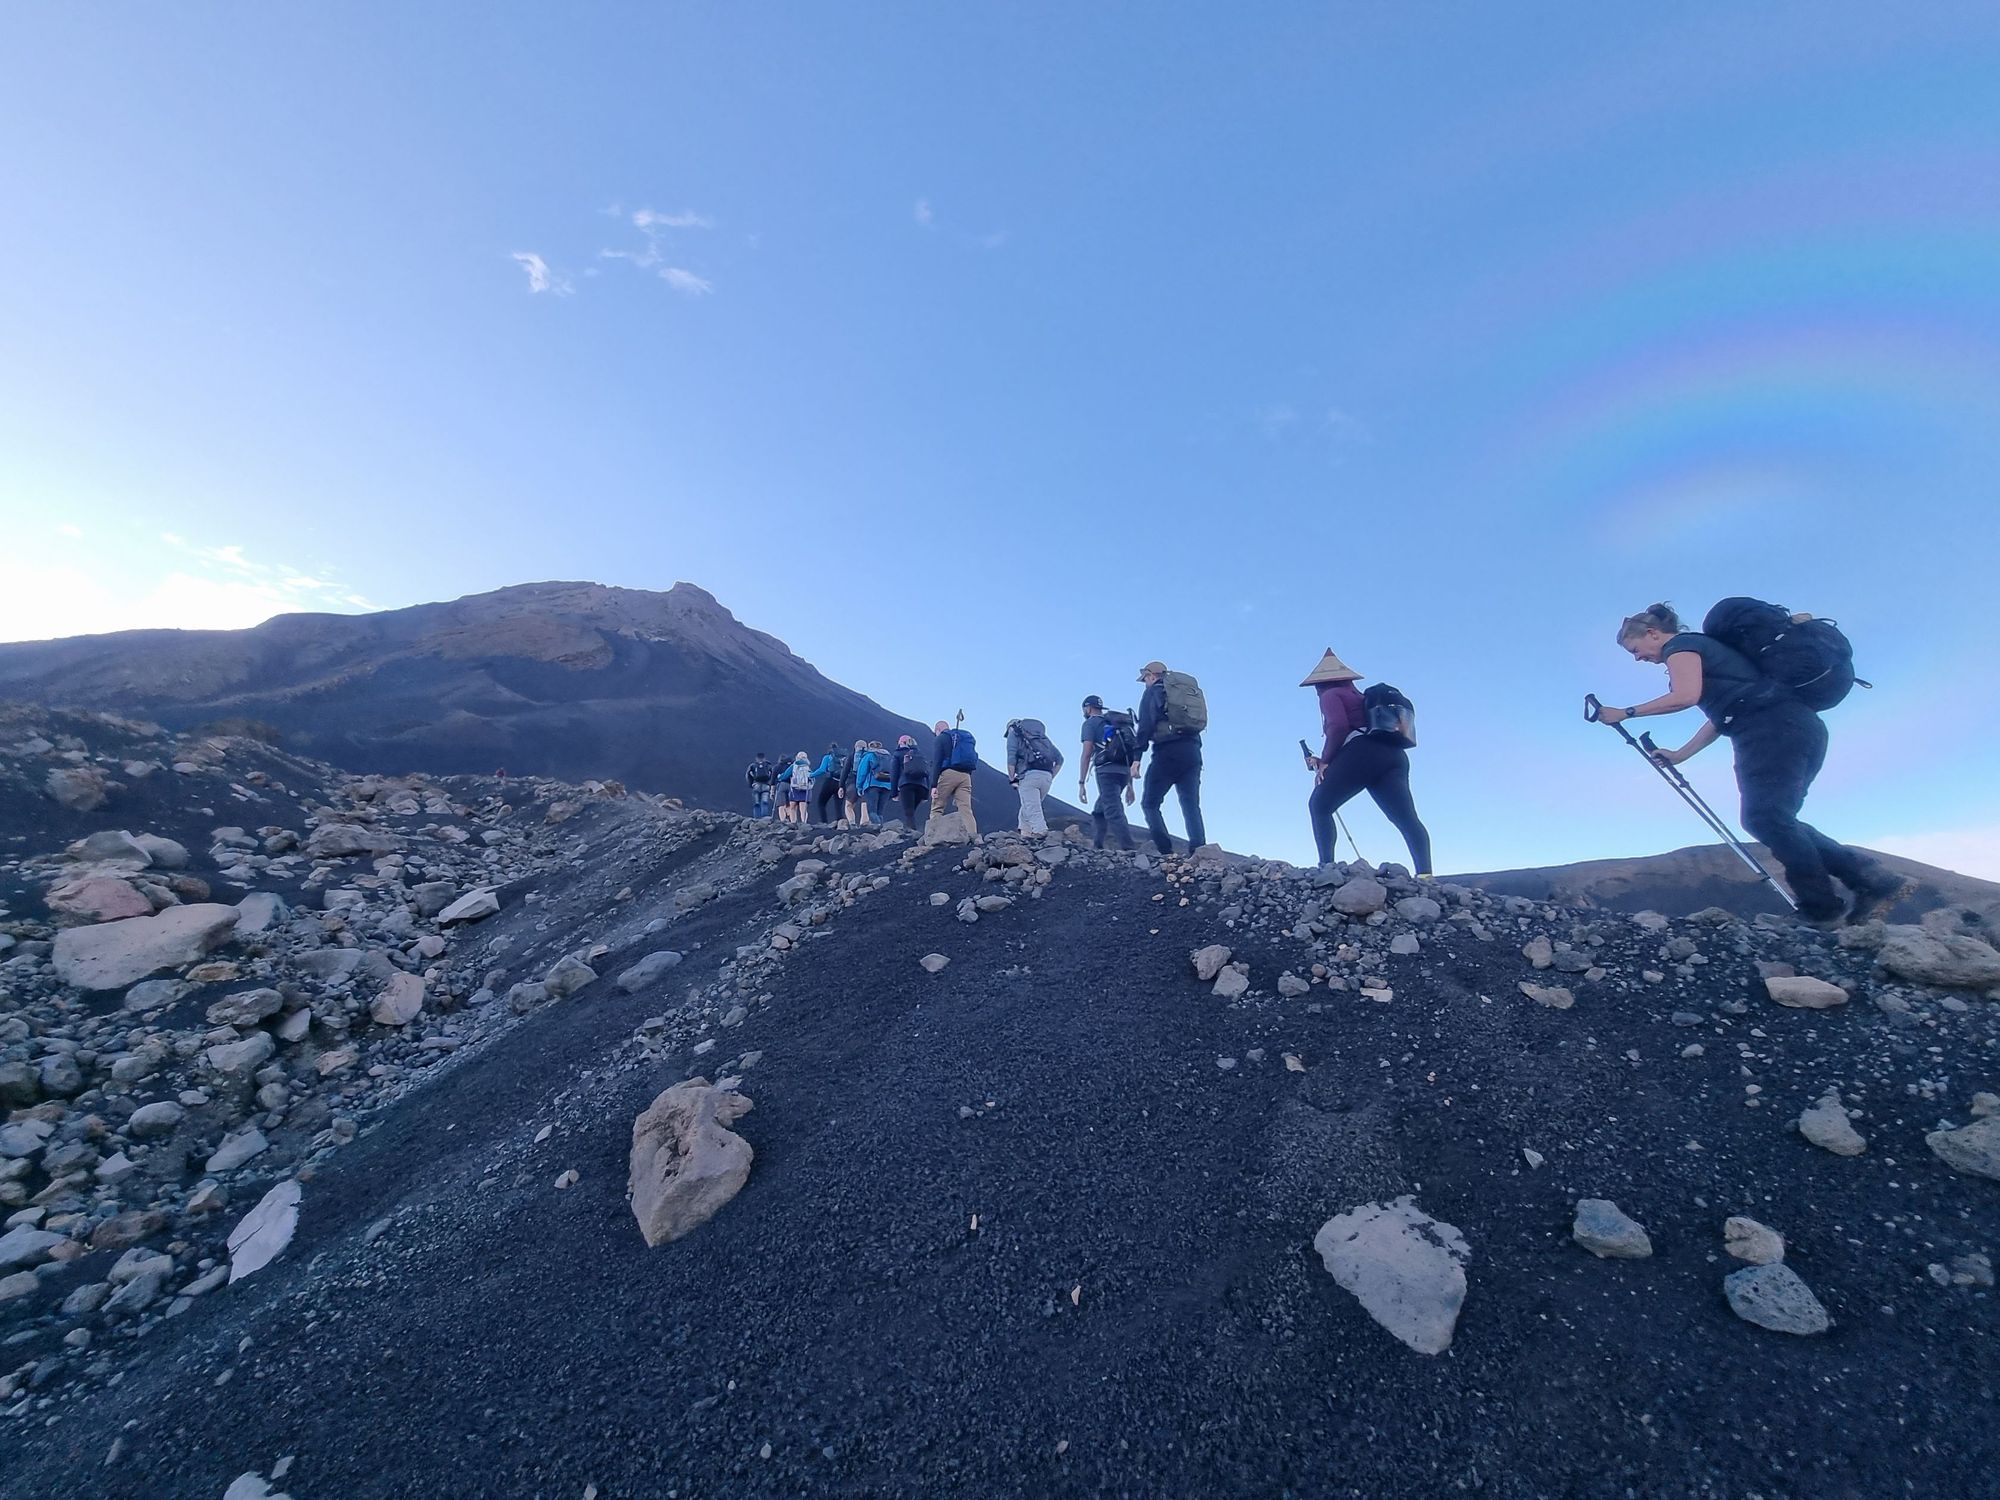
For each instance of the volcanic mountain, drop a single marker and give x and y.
(666, 692)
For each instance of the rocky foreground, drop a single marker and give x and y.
(359, 1134)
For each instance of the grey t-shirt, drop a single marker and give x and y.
(1730, 681)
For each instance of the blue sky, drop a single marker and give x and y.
(983, 352)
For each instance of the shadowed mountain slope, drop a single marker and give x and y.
(667, 692)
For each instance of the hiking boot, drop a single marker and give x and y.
(1877, 897)
(1823, 921)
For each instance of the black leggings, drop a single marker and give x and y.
(828, 794)
(914, 795)
(1366, 764)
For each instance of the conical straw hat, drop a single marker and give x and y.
(1330, 669)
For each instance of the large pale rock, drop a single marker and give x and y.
(686, 1162)
(162, 853)
(569, 975)
(344, 840)
(1950, 959)
(1405, 1268)
(398, 1002)
(109, 846)
(245, 1007)
(97, 898)
(78, 788)
(1208, 961)
(236, 1149)
(260, 911)
(258, 1237)
(949, 829)
(241, 1059)
(473, 906)
(1803, 992)
(1774, 1297)
(646, 970)
(158, 1118)
(112, 955)
(1973, 1149)
(1826, 1125)
(24, 1245)
(1360, 897)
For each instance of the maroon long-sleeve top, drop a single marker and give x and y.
(1341, 713)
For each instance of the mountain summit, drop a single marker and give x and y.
(665, 691)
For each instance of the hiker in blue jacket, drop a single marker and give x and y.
(880, 785)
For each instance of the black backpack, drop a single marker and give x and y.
(916, 770)
(762, 773)
(843, 763)
(1037, 749)
(1392, 718)
(1811, 659)
(1118, 740)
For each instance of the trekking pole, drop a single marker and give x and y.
(1671, 774)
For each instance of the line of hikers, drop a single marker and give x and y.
(1759, 674)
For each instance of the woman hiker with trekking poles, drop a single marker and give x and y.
(1368, 740)
(1767, 708)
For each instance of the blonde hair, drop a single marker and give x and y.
(1660, 617)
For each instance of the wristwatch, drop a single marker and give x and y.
(1631, 713)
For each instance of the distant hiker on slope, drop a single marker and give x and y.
(957, 756)
(827, 777)
(859, 766)
(1779, 740)
(1108, 747)
(798, 790)
(1032, 763)
(912, 775)
(1366, 749)
(880, 787)
(762, 776)
(1172, 715)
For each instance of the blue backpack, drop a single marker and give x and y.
(964, 754)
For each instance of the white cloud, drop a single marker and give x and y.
(69, 529)
(686, 282)
(1969, 851)
(540, 277)
(922, 213)
(647, 218)
(185, 587)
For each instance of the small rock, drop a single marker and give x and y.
(1555, 996)
(1751, 1241)
(1826, 1125)
(933, 963)
(1772, 1296)
(1803, 992)
(1208, 962)
(1973, 1149)
(1405, 1268)
(1232, 982)
(1606, 1232)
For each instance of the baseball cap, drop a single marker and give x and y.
(1093, 701)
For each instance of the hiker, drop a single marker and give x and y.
(877, 790)
(798, 789)
(1032, 763)
(912, 776)
(1780, 744)
(957, 756)
(1108, 747)
(762, 776)
(1172, 715)
(854, 785)
(1366, 749)
(827, 777)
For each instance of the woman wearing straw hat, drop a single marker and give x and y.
(1353, 760)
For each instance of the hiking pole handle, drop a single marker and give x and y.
(1593, 712)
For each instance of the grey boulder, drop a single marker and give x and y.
(114, 954)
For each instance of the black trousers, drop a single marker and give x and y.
(1176, 764)
(913, 796)
(1366, 764)
(1779, 750)
(829, 791)
(1108, 814)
